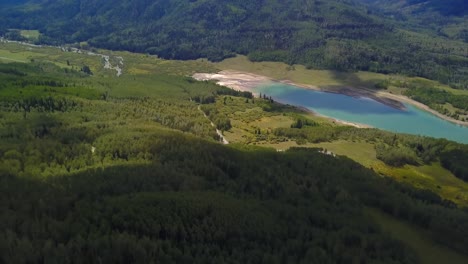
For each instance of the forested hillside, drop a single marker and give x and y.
(446, 18)
(341, 35)
(443, 7)
(90, 173)
(118, 157)
(12, 2)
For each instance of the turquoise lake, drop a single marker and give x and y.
(363, 110)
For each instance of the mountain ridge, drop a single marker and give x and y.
(340, 35)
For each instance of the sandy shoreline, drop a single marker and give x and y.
(240, 81)
(244, 81)
(392, 100)
(422, 106)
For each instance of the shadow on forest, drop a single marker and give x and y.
(353, 80)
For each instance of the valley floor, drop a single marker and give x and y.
(246, 81)
(70, 142)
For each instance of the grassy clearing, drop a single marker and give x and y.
(53, 55)
(7, 60)
(134, 63)
(462, 114)
(253, 122)
(156, 86)
(361, 152)
(269, 123)
(245, 132)
(432, 177)
(246, 116)
(30, 34)
(138, 64)
(324, 78)
(299, 74)
(417, 239)
(12, 56)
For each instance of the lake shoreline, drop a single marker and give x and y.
(334, 120)
(393, 100)
(424, 107)
(245, 81)
(353, 92)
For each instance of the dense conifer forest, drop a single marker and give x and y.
(91, 178)
(136, 168)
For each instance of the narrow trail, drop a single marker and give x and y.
(220, 134)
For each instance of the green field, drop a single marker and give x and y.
(325, 79)
(432, 177)
(299, 74)
(9, 56)
(30, 34)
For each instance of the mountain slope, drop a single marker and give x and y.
(340, 35)
(443, 7)
(442, 18)
(12, 2)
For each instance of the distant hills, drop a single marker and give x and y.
(347, 35)
(12, 2)
(443, 7)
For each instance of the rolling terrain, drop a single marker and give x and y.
(111, 151)
(339, 35)
(94, 163)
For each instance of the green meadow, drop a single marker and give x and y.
(30, 34)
